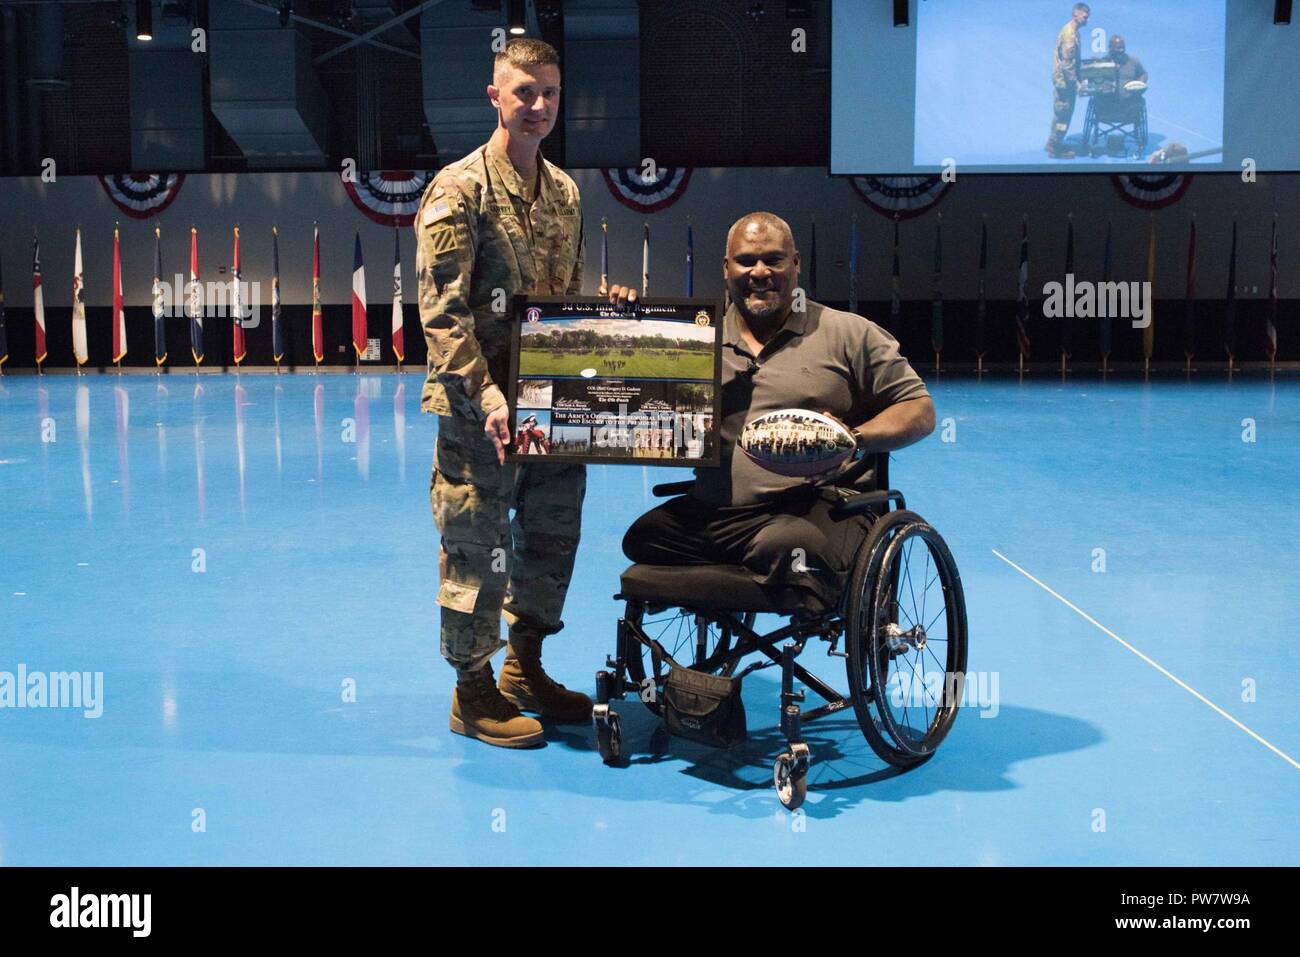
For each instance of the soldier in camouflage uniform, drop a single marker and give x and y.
(501, 221)
(1065, 81)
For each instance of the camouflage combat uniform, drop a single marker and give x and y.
(1065, 76)
(479, 241)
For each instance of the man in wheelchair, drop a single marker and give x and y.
(1130, 84)
(780, 528)
(827, 553)
(1117, 110)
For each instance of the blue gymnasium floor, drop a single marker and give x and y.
(222, 689)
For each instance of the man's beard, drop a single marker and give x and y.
(764, 310)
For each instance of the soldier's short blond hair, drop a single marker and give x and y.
(523, 53)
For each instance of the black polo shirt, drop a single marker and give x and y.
(822, 360)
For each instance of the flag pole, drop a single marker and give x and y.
(39, 368)
(1272, 296)
(157, 226)
(1069, 268)
(399, 299)
(235, 279)
(196, 297)
(275, 240)
(77, 229)
(1146, 352)
(315, 298)
(1233, 289)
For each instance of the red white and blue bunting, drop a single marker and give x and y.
(647, 195)
(902, 196)
(142, 195)
(1152, 190)
(389, 197)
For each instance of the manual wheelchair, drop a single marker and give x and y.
(1114, 119)
(902, 618)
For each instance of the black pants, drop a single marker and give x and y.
(790, 543)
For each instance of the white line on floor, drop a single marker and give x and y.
(1164, 671)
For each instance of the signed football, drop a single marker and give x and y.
(796, 442)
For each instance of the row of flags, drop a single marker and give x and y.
(195, 303)
(359, 305)
(1022, 284)
(1065, 324)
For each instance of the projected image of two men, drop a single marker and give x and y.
(1055, 82)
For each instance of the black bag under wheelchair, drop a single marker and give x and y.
(901, 619)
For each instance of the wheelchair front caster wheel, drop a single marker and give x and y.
(609, 735)
(790, 776)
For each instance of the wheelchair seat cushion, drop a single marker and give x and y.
(725, 588)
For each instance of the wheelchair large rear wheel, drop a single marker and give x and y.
(906, 639)
(696, 641)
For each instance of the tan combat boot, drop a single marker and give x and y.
(529, 688)
(478, 710)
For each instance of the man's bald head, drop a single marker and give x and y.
(761, 222)
(761, 268)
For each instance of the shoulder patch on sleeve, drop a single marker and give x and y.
(437, 210)
(443, 240)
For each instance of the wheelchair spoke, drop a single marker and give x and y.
(907, 571)
(925, 589)
(679, 636)
(942, 667)
(911, 690)
(903, 613)
(925, 693)
(906, 577)
(935, 618)
(930, 582)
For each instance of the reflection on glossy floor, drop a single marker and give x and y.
(233, 555)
